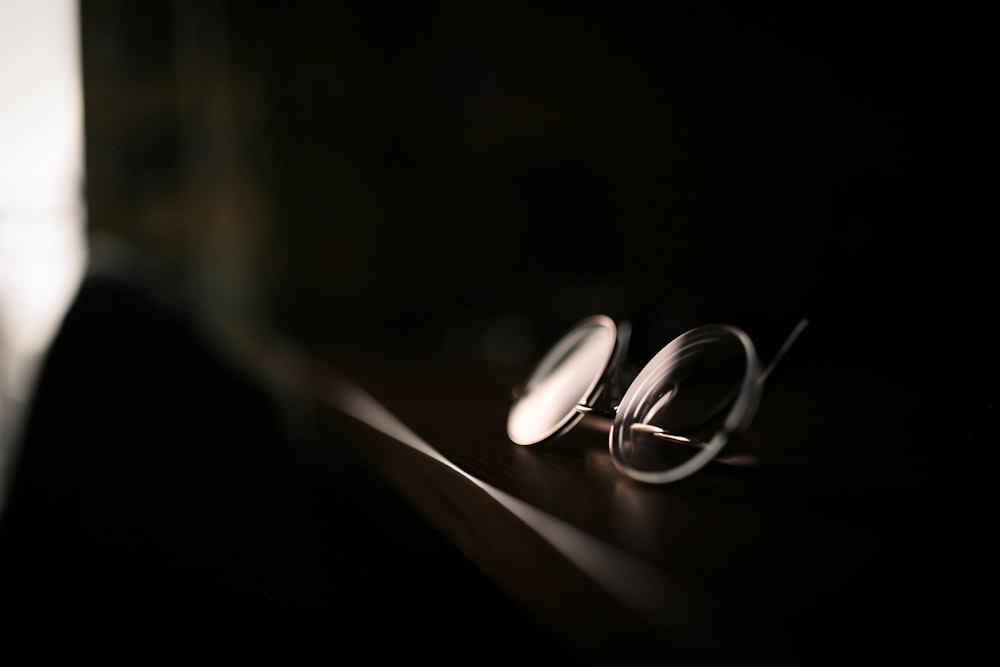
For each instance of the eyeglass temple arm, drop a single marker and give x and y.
(602, 420)
(784, 348)
(739, 458)
(598, 420)
(727, 400)
(663, 434)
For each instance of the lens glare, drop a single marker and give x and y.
(569, 375)
(680, 410)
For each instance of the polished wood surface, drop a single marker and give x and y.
(836, 546)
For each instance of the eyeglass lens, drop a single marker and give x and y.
(681, 408)
(569, 375)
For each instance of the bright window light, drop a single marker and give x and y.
(42, 209)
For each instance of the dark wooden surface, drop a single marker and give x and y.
(853, 540)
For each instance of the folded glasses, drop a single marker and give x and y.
(678, 412)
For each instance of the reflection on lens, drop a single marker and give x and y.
(680, 410)
(569, 375)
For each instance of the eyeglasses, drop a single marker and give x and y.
(677, 414)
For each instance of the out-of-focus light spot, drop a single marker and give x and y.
(42, 212)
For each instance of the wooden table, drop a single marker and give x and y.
(851, 542)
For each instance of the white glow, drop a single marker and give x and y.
(42, 246)
(566, 377)
(42, 110)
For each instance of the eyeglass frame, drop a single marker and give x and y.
(601, 406)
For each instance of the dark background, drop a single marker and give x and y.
(430, 177)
